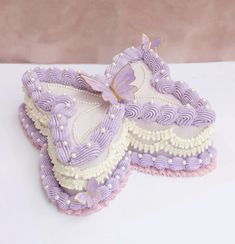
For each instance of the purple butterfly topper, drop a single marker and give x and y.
(92, 196)
(118, 89)
(147, 44)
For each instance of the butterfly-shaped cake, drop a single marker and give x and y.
(92, 129)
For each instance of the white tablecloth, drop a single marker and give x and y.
(150, 209)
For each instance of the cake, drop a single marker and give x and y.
(92, 129)
(83, 141)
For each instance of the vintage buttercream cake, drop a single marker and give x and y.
(91, 130)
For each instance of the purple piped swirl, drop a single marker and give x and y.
(191, 97)
(68, 76)
(132, 110)
(62, 108)
(168, 115)
(66, 201)
(204, 117)
(46, 102)
(186, 116)
(179, 90)
(162, 82)
(165, 86)
(163, 161)
(154, 63)
(150, 112)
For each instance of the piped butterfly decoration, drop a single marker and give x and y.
(118, 89)
(92, 196)
(147, 44)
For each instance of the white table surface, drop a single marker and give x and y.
(150, 209)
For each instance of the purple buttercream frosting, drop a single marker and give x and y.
(186, 116)
(66, 201)
(164, 161)
(150, 112)
(162, 82)
(64, 106)
(166, 114)
(165, 86)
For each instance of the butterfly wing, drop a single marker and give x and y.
(121, 83)
(155, 43)
(85, 198)
(93, 190)
(109, 96)
(82, 197)
(97, 84)
(92, 186)
(92, 196)
(146, 44)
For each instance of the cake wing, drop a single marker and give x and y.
(84, 140)
(170, 125)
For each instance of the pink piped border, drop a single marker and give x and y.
(182, 173)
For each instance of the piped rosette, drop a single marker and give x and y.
(83, 140)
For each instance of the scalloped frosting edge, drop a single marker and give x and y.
(75, 178)
(67, 202)
(177, 145)
(161, 80)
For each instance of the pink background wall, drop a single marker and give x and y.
(92, 31)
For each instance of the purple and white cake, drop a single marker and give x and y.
(170, 126)
(83, 140)
(91, 129)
